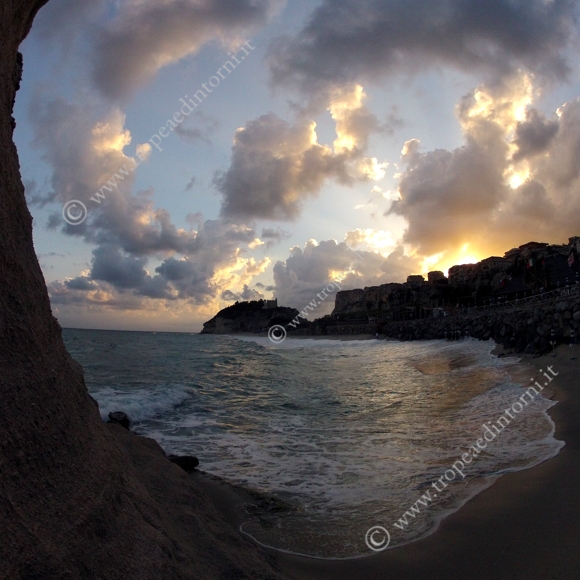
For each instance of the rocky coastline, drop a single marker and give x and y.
(243, 317)
(529, 329)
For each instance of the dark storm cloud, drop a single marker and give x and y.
(348, 41)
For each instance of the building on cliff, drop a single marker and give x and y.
(415, 280)
(531, 268)
(436, 277)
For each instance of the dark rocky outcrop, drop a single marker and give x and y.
(522, 329)
(119, 418)
(186, 462)
(80, 498)
(252, 316)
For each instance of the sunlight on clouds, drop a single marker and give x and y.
(517, 178)
(379, 241)
(234, 277)
(442, 261)
(240, 272)
(389, 195)
(509, 106)
(431, 263)
(372, 169)
(144, 150)
(343, 102)
(469, 259)
(256, 243)
(110, 135)
(409, 148)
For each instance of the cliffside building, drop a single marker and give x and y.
(415, 280)
(434, 277)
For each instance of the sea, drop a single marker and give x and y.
(348, 435)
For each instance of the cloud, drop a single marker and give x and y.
(209, 125)
(192, 264)
(375, 240)
(191, 183)
(120, 271)
(533, 135)
(516, 177)
(118, 279)
(148, 35)
(448, 195)
(357, 41)
(247, 294)
(276, 165)
(307, 271)
(274, 236)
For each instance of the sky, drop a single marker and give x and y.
(179, 155)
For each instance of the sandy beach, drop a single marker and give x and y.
(525, 526)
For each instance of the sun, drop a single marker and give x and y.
(467, 260)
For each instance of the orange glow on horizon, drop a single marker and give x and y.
(442, 262)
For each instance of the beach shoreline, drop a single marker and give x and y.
(522, 526)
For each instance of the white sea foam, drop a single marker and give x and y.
(140, 404)
(349, 432)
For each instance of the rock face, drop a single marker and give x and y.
(120, 419)
(186, 462)
(528, 328)
(79, 498)
(248, 317)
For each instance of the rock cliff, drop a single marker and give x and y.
(252, 316)
(522, 328)
(80, 499)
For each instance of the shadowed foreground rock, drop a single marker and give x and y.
(79, 498)
(186, 462)
(119, 418)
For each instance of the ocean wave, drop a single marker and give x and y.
(140, 403)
